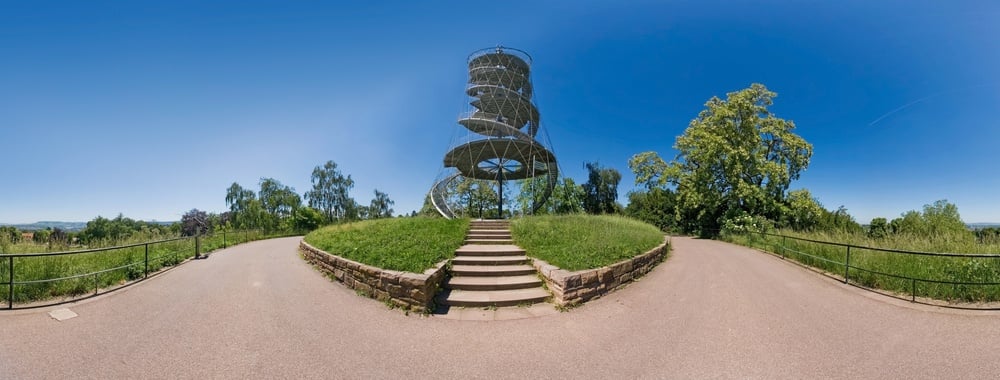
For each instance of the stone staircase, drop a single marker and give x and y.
(489, 270)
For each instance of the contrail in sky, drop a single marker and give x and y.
(936, 94)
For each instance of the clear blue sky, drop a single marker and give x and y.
(153, 108)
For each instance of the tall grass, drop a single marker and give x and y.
(948, 278)
(577, 242)
(81, 273)
(402, 244)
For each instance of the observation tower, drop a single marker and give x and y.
(500, 144)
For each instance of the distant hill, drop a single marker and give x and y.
(979, 226)
(65, 226)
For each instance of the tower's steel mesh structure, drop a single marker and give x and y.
(502, 142)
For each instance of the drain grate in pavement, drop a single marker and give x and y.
(62, 314)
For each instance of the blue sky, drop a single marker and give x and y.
(153, 108)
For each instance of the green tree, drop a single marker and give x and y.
(840, 220)
(476, 198)
(804, 212)
(654, 206)
(988, 235)
(42, 236)
(942, 218)
(601, 189)
(243, 206)
(307, 219)
(59, 237)
(427, 209)
(878, 228)
(103, 231)
(910, 222)
(532, 190)
(937, 221)
(381, 206)
(10, 233)
(330, 192)
(279, 203)
(567, 197)
(736, 158)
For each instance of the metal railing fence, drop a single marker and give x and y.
(955, 280)
(51, 278)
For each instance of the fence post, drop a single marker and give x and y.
(784, 242)
(10, 282)
(913, 290)
(95, 284)
(197, 246)
(847, 266)
(146, 271)
(223, 239)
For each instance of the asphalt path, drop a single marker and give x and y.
(712, 310)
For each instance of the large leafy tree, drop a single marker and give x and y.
(476, 198)
(938, 220)
(532, 190)
(601, 189)
(803, 211)
(654, 206)
(878, 228)
(278, 201)
(381, 206)
(11, 233)
(307, 219)
(101, 230)
(42, 236)
(567, 197)
(244, 206)
(736, 158)
(330, 192)
(839, 220)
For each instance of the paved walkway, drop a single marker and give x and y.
(712, 310)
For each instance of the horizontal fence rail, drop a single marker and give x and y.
(36, 279)
(954, 280)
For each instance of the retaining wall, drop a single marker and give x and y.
(407, 290)
(570, 288)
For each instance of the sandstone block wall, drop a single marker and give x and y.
(410, 291)
(570, 288)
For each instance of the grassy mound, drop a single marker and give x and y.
(576, 242)
(403, 244)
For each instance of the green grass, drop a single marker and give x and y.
(402, 244)
(577, 242)
(926, 269)
(121, 265)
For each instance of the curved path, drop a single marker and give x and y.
(712, 310)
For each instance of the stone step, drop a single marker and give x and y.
(489, 260)
(489, 241)
(505, 236)
(489, 232)
(489, 227)
(493, 283)
(474, 298)
(491, 270)
(489, 250)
